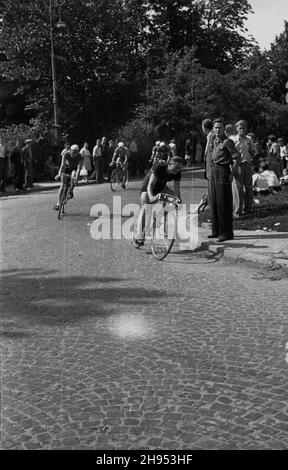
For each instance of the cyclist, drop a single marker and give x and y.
(163, 153)
(154, 152)
(70, 165)
(120, 155)
(155, 183)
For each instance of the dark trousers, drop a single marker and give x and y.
(98, 163)
(221, 201)
(243, 175)
(28, 173)
(18, 175)
(2, 174)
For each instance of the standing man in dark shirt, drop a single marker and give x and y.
(223, 158)
(155, 183)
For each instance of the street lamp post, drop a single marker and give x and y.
(60, 24)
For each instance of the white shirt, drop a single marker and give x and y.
(271, 178)
(97, 151)
(245, 147)
(85, 152)
(260, 183)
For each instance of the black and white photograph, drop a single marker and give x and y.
(144, 230)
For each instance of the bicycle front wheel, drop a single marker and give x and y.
(114, 179)
(163, 234)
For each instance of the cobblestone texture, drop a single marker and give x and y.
(103, 347)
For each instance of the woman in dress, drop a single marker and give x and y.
(86, 156)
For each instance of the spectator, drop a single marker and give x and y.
(3, 165)
(230, 132)
(207, 128)
(16, 159)
(133, 157)
(188, 152)
(243, 173)
(50, 167)
(257, 149)
(104, 146)
(86, 157)
(223, 156)
(274, 158)
(28, 164)
(283, 153)
(199, 152)
(271, 178)
(65, 149)
(284, 178)
(260, 183)
(98, 162)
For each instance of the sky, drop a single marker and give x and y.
(268, 20)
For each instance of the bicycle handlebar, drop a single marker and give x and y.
(170, 198)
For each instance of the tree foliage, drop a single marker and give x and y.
(158, 65)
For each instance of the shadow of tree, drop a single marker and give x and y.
(51, 298)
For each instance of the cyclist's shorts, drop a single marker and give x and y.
(65, 178)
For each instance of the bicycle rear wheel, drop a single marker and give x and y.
(114, 179)
(163, 234)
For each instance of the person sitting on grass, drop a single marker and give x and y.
(271, 178)
(260, 183)
(284, 178)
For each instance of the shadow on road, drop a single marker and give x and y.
(53, 298)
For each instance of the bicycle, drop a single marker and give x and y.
(117, 177)
(68, 184)
(164, 225)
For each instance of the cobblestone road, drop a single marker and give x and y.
(103, 347)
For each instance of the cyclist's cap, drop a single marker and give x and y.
(162, 144)
(75, 147)
(121, 144)
(157, 142)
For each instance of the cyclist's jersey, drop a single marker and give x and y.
(70, 163)
(120, 154)
(160, 170)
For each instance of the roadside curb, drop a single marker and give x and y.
(38, 187)
(278, 257)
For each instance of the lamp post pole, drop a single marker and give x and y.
(54, 84)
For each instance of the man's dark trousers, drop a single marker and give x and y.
(221, 201)
(98, 162)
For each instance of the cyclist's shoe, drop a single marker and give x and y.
(56, 207)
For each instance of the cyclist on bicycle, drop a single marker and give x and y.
(161, 153)
(121, 156)
(71, 166)
(155, 183)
